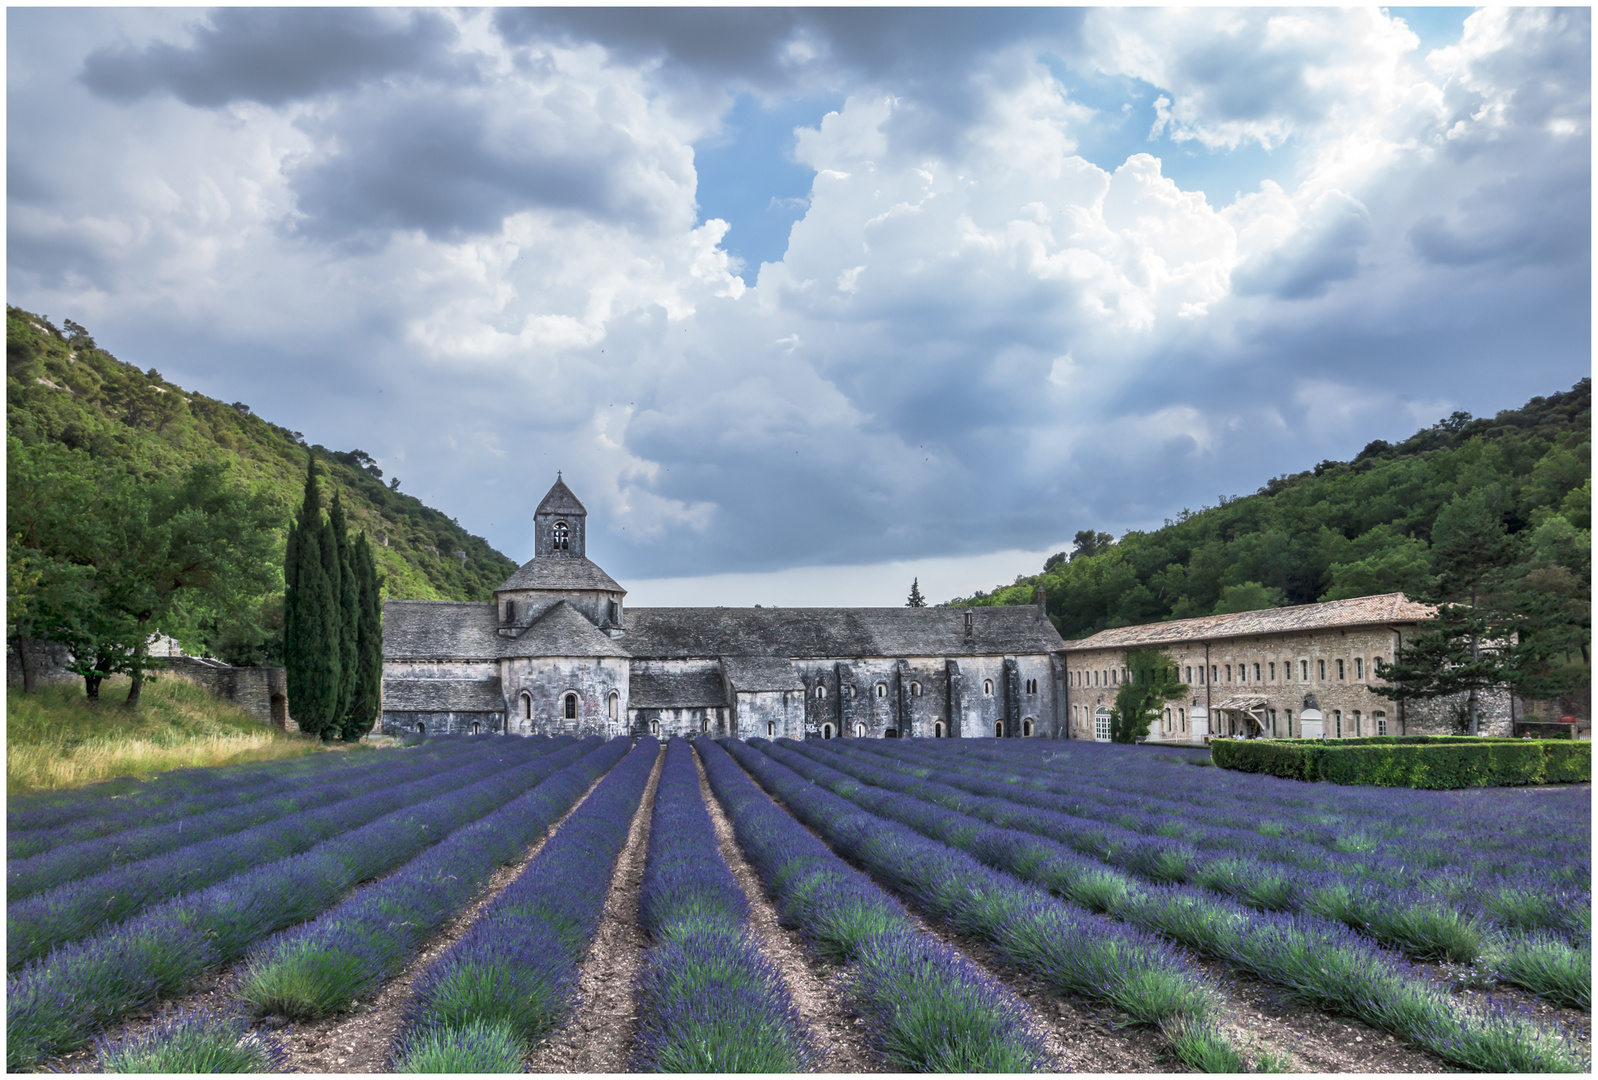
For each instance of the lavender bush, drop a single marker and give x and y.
(72, 911)
(54, 1005)
(1323, 963)
(710, 1001)
(923, 997)
(513, 977)
(197, 1041)
(319, 967)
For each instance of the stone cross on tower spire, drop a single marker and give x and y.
(560, 523)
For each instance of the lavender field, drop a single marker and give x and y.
(483, 904)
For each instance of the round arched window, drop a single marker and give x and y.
(987, 687)
(882, 689)
(998, 729)
(571, 706)
(915, 689)
(1026, 728)
(937, 730)
(560, 536)
(527, 706)
(860, 731)
(821, 690)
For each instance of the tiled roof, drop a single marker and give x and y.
(651, 689)
(560, 572)
(752, 674)
(1360, 611)
(439, 630)
(442, 695)
(562, 631)
(836, 632)
(560, 500)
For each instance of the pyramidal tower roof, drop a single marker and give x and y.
(560, 500)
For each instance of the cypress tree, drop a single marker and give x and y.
(367, 696)
(310, 625)
(349, 599)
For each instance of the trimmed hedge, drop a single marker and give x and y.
(1439, 764)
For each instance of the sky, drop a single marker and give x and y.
(806, 303)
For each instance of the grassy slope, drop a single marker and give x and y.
(66, 390)
(1292, 534)
(55, 740)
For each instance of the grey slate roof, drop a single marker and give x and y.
(561, 631)
(560, 572)
(836, 632)
(442, 695)
(648, 689)
(439, 629)
(752, 674)
(560, 500)
(1359, 611)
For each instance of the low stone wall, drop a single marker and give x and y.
(443, 723)
(260, 691)
(50, 662)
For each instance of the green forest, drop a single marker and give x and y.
(1355, 528)
(87, 433)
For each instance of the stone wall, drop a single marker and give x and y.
(541, 685)
(260, 691)
(50, 662)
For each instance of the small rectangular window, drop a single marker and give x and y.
(1381, 723)
(1190, 673)
(1337, 715)
(1359, 667)
(1303, 666)
(1320, 669)
(1356, 722)
(1215, 674)
(1273, 673)
(1339, 671)
(1228, 672)
(1256, 673)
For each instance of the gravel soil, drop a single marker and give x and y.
(598, 1038)
(837, 1032)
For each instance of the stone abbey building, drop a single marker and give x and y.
(558, 651)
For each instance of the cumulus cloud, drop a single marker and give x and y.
(273, 55)
(476, 252)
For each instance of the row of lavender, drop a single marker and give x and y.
(710, 1000)
(1409, 912)
(1069, 950)
(125, 834)
(1465, 832)
(513, 977)
(1320, 962)
(61, 1000)
(30, 817)
(931, 1010)
(76, 909)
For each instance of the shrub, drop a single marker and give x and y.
(1437, 763)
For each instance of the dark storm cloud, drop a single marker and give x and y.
(272, 55)
(434, 160)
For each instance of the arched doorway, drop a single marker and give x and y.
(1026, 728)
(826, 731)
(1101, 724)
(937, 730)
(998, 729)
(859, 731)
(477, 727)
(421, 728)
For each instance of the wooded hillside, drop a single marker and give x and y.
(1342, 529)
(61, 388)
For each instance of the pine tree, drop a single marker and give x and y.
(349, 602)
(916, 599)
(310, 625)
(367, 696)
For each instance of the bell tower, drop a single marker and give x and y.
(560, 523)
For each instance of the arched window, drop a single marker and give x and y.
(510, 611)
(998, 729)
(654, 727)
(1359, 667)
(571, 706)
(987, 687)
(915, 689)
(615, 705)
(826, 731)
(560, 537)
(821, 690)
(882, 689)
(937, 729)
(859, 731)
(1026, 728)
(704, 724)
(771, 729)
(477, 727)
(421, 728)
(527, 706)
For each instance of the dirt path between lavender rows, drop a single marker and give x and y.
(598, 1038)
(838, 1033)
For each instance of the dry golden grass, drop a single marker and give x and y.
(54, 739)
